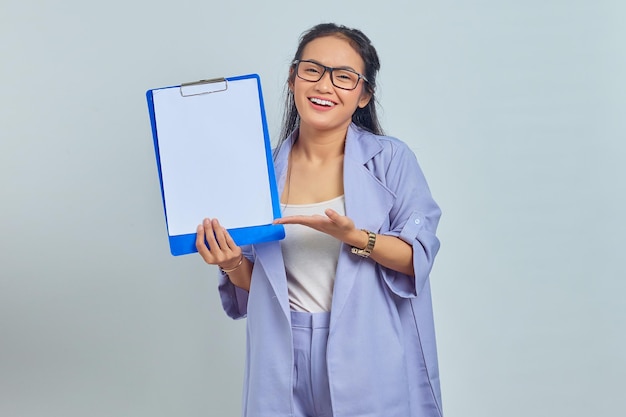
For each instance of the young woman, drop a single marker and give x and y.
(339, 315)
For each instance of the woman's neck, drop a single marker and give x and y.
(316, 145)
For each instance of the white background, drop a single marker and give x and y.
(515, 110)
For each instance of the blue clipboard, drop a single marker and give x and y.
(214, 159)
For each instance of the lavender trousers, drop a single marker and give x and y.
(311, 391)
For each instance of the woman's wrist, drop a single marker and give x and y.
(366, 250)
(359, 239)
(233, 267)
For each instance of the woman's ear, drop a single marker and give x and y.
(290, 79)
(365, 98)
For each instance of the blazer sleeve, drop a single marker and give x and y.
(413, 218)
(234, 299)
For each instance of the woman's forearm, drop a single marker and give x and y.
(391, 252)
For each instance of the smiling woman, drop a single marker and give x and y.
(339, 313)
(315, 82)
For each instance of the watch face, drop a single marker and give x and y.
(371, 241)
(361, 252)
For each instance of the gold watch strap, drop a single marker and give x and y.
(367, 250)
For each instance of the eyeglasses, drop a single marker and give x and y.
(343, 78)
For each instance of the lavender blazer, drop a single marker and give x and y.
(382, 358)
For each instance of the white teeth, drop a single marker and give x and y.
(321, 102)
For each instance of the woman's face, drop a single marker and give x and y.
(321, 105)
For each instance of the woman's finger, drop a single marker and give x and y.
(230, 242)
(332, 215)
(343, 222)
(200, 238)
(203, 250)
(220, 233)
(209, 235)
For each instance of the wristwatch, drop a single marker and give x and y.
(367, 250)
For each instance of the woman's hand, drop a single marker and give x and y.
(221, 249)
(223, 252)
(333, 224)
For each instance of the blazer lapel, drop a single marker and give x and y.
(368, 203)
(269, 254)
(270, 257)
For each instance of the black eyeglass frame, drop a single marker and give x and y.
(330, 70)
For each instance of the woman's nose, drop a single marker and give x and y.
(325, 83)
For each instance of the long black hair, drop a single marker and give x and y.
(366, 117)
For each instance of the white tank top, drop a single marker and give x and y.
(310, 258)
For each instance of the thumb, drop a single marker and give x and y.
(332, 214)
(338, 219)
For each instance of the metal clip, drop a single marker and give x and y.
(197, 88)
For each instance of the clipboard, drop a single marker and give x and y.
(214, 159)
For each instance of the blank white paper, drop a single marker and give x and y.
(213, 157)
